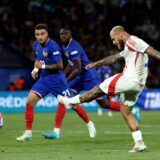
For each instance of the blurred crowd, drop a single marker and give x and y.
(90, 20)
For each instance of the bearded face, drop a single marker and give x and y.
(117, 40)
(120, 44)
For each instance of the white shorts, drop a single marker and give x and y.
(118, 84)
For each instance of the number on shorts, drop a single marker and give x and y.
(66, 93)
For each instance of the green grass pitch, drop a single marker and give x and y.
(112, 142)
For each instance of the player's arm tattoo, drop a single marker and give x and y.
(109, 60)
(55, 66)
(77, 69)
(152, 52)
(91, 95)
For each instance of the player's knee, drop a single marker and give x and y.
(29, 103)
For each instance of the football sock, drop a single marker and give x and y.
(29, 131)
(56, 130)
(60, 113)
(29, 115)
(89, 123)
(82, 113)
(75, 100)
(137, 137)
(114, 105)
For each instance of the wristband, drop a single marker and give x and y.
(43, 66)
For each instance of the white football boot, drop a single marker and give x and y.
(138, 148)
(91, 129)
(25, 137)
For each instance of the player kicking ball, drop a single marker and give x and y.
(128, 84)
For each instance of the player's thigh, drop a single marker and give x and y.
(118, 84)
(109, 86)
(33, 98)
(63, 90)
(41, 88)
(126, 85)
(129, 98)
(129, 91)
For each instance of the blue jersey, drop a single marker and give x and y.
(104, 72)
(74, 51)
(50, 81)
(53, 55)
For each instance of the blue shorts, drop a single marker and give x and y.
(79, 85)
(46, 85)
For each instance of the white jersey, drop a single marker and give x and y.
(136, 61)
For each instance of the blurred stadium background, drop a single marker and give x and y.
(91, 21)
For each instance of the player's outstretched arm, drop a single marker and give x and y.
(105, 61)
(55, 66)
(152, 52)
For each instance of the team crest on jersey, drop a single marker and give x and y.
(45, 53)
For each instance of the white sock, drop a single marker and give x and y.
(29, 131)
(137, 136)
(75, 100)
(56, 130)
(89, 123)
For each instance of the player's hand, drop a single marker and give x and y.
(91, 65)
(34, 75)
(38, 64)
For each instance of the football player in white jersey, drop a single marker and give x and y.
(128, 84)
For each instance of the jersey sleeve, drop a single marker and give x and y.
(75, 53)
(137, 44)
(55, 53)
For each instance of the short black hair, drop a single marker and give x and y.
(41, 26)
(67, 28)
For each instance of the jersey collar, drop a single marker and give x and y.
(69, 43)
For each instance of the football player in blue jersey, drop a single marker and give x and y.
(78, 76)
(51, 80)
